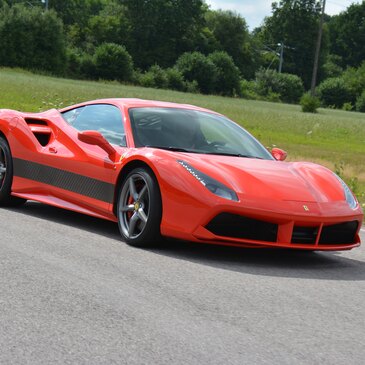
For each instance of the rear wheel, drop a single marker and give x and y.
(140, 209)
(6, 177)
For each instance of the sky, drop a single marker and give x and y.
(254, 11)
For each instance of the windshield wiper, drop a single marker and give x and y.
(231, 154)
(172, 148)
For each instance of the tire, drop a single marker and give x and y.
(6, 177)
(140, 209)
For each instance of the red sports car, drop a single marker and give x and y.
(164, 169)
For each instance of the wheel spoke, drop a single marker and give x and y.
(142, 215)
(132, 189)
(142, 193)
(2, 170)
(127, 208)
(132, 224)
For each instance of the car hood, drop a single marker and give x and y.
(269, 179)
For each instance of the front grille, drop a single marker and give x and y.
(236, 226)
(337, 234)
(304, 235)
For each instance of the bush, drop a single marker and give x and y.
(197, 67)
(309, 103)
(155, 77)
(334, 92)
(360, 103)
(228, 75)
(288, 86)
(248, 90)
(175, 79)
(113, 62)
(88, 68)
(354, 78)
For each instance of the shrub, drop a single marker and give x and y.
(113, 62)
(197, 67)
(248, 90)
(155, 77)
(309, 103)
(288, 86)
(334, 92)
(347, 107)
(228, 75)
(88, 68)
(175, 79)
(360, 103)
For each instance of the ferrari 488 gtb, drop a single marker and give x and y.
(164, 169)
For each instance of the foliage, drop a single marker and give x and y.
(347, 35)
(360, 103)
(197, 67)
(334, 92)
(355, 79)
(175, 79)
(331, 67)
(110, 25)
(289, 87)
(295, 24)
(161, 30)
(155, 77)
(228, 75)
(248, 90)
(31, 38)
(309, 103)
(231, 35)
(113, 62)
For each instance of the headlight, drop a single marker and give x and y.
(211, 184)
(348, 194)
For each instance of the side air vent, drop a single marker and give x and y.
(31, 121)
(40, 129)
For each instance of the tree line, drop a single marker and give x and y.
(184, 45)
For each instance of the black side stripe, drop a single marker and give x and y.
(66, 180)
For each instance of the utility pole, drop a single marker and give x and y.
(45, 3)
(318, 49)
(281, 56)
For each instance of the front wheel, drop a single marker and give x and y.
(140, 209)
(6, 177)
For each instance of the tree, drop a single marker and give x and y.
(231, 35)
(31, 38)
(161, 30)
(110, 25)
(295, 24)
(347, 35)
(76, 11)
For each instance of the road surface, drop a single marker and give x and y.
(72, 293)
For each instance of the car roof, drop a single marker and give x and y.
(137, 103)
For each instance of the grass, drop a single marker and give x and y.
(333, 138)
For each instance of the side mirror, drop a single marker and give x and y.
(278, 154)
(97, 139)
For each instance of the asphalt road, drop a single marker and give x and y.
(72, 293)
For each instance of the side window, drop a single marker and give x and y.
(104, 118)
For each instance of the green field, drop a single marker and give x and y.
(333, 138)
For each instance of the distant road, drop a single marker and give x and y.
(72, 293)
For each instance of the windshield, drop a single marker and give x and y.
(193, 131)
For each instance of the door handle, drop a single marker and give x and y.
(53, 150)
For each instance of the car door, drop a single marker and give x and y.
(82, 174)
